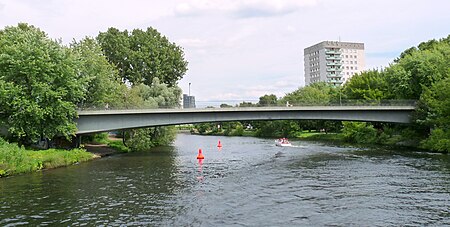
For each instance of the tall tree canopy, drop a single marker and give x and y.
(368, 85)
(39, 84)
(320, 93)
(436, 100)
(104, 86)
(141, 56)
(268, 100)
(419, 68)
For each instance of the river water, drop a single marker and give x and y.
(249, 182)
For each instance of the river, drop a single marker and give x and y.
(249, 182)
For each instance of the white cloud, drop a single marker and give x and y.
(241, 8)
(195, 42)
(257, 44)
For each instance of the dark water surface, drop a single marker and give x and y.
(249, 182)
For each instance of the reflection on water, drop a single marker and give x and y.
(248, 181)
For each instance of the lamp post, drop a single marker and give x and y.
(189, 89)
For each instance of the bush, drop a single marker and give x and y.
(439, 140)
(118, 145)
(359, 132)
(15, 159)
(239, 131)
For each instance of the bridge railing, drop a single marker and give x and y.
(344, 102)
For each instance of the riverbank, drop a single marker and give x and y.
(17, 160)
(336, 139)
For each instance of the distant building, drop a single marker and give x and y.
(188, 101)
(332, 61)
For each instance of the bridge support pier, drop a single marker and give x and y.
(76, 141)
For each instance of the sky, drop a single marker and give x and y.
(239, 50)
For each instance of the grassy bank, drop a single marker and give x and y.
(16, 160)
(320, 136)
(222, 133)
(396, 141)
(114, 143)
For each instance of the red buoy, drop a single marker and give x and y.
(200, 155)
(219, 145)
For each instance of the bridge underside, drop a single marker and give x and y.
(90, 122)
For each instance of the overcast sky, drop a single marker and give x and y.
(243, 49)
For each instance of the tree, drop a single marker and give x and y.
(419, 69)
(280, 128)
(320, 93)
(104, 86)
(428, 45)
(436, 99)
(158, 95)
(368, 85)
(142, 56)
(268, 100)
(153, 66)
(224, 105)
(359, 132)
(246, 104)
(39, 84)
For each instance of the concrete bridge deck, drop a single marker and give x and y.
(110, 120)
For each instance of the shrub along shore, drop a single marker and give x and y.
(17, 160)
(344, 137)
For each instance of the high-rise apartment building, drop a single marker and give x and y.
(188, 101)
(332, 61)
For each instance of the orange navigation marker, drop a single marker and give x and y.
(219, 145)
(200, 155)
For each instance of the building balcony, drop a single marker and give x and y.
(336, 81)
(333, 58)
(333, 52)
(334, 63)
(332, 75)
(334, 69)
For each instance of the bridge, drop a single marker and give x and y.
(111, 120)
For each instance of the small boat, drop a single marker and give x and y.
(283, 142)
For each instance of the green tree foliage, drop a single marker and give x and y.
(436, 100)
(145, 139)
(428, 45)
(268, 100)
(359, 132)
(239, 129)
(282, 128)
(142, 96)
(142, 56)
(420, 73)
(314, 94)
(202, 128)
(424, 73)
(153, 66)
(368, 85)
(246, 104)
(39, 84)
(158, 95)
(320, 93)
(104, 87)
(418, 69)
(224, 105)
